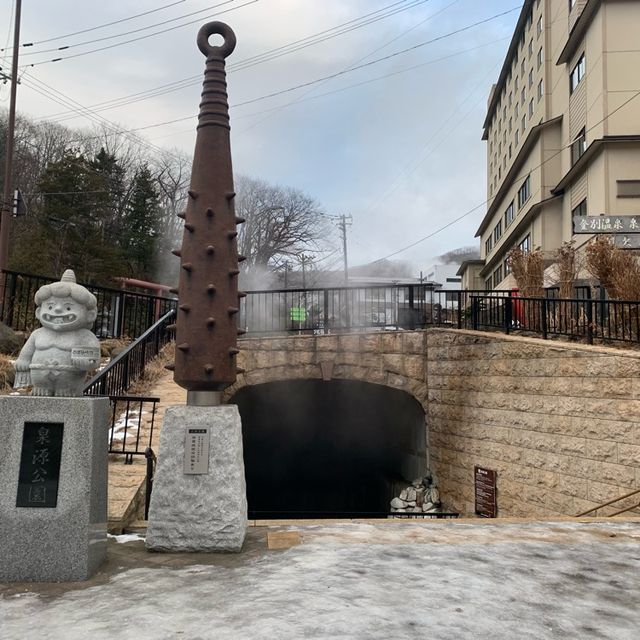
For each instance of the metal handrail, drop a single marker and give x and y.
(99, 384)
(606, 504)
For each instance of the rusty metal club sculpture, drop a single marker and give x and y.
(208, 297)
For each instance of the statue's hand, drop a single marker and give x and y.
(21, 365)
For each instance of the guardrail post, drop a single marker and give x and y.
(589, 313)
(459, 309)
(543, 313)
(118, 324)
(325, 310)
(412, 323)
(507, 314)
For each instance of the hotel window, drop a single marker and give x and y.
(509, 152)
(525, 245)
(580, 210)
(572, 3)
(509, 215)
(531, 108)
(517, 137)
(516, 110)
(577, 74)
(524, 122)
(497, 276)
(531, 78)
(522, 68)
(530, 47)
(488, 245)
(504, 113)
(510, 124)
(539, 59)
(497, 232)
(515, 85)
(524, 192)
(507, 268)
(578, 146)
(523, 96)
(540, 89)
(539, 26)
(487, 284)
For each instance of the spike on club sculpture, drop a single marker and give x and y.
(206, 325)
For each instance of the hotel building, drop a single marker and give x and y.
(562, 130)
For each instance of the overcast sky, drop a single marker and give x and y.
(401, 154)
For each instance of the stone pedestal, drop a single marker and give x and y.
(54, 535)
(199, 498)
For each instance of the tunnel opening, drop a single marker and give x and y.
(328, 449)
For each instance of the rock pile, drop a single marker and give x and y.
(422, 496)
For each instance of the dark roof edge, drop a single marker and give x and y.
(525, 220)
(578, 31)
(518, 161)
(585, 159)
(506, 65)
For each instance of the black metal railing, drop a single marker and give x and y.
(336, 310)
(120, 313)
(132, 425)
(127, 367)
(327, 310)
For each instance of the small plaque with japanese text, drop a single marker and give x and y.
(485, 492)
(40, 464)
(196, 451)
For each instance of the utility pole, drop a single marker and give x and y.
(303, 261)
(344, 221)
(7, 194)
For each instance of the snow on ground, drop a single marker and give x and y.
(357, 581)
(127, 423)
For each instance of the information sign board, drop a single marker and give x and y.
(485, 492)
(196, 451)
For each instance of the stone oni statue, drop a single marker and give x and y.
(56, 358)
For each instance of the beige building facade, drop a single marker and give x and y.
(562, 129)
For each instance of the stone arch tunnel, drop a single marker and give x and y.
(337, 448)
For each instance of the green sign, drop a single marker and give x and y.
(298, 314)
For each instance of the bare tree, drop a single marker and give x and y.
(281, 223)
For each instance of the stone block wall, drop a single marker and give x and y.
(559, 423)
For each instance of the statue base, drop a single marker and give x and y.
(53, 487)
(199, 500)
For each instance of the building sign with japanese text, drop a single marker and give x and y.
(40, 464)
(606, 224)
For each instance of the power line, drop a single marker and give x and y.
(515, 180)
(327, 93)
(125, 33)
(100, 26)
(259, 59)
(377, 60)
(361, 59)
(149, 35)
(345, 71)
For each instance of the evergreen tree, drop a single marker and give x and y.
(141, 225)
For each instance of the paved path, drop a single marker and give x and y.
(126, 491)
(463, 580)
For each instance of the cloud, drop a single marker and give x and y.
(388, 152)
